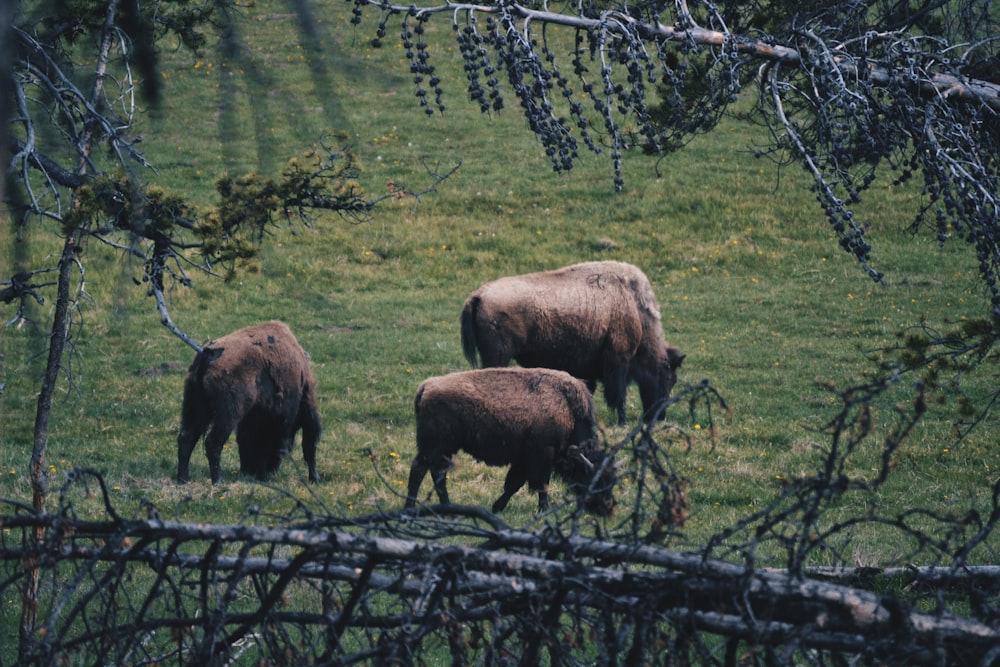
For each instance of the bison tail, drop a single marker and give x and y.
(312, 428)
(196, 410)
(308, 417)
(202, 361)
(417, 400)
(470, 345)
(194, 384)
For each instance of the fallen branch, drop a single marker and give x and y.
(592, 577)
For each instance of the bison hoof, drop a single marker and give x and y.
(410, 508)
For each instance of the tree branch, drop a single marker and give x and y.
(621, 24)
(725, 599)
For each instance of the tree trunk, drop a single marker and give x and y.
(38, 472)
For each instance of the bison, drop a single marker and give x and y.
(536, 420)
(256, 380)
(595, 320)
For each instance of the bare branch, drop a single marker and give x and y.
(337, 580)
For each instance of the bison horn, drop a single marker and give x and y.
(586, 462)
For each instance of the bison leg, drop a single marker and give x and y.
(186, 441)
(418, 469)
(538, 471)
(311, 430)
(191, 431)
(615, 378)
(439, 474)
(195, 418)
(516, 477)
(651, 399)
(214, 441)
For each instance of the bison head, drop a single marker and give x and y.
(591, 477)
(657, 381)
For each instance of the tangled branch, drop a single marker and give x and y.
(848, 91)
(354, 591)
(456, 583)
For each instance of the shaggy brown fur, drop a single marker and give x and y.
(595, 320)
(256, 380)
(537, 421)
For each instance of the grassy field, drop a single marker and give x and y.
(752, 286)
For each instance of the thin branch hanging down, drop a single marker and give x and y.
(849, 90)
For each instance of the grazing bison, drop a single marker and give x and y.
(257, 381)
(595, 320)
(537, 421)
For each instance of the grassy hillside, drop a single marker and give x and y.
(751, 283)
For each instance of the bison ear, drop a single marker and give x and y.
(675, 357)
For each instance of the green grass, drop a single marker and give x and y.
(751, 283)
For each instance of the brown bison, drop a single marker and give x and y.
(537, 421)
(256, 380)
(595, 320)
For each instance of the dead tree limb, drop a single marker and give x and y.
(437, 584)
